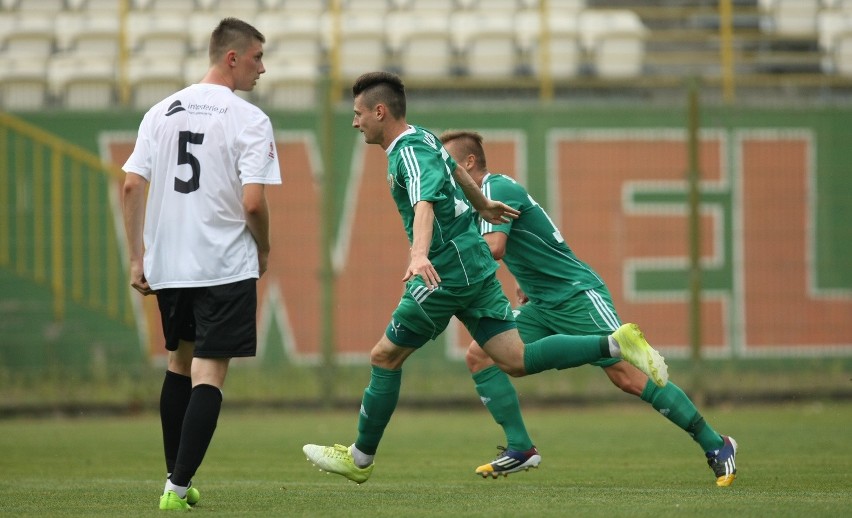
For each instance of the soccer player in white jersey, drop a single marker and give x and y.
(197, 225)
(561, 294)
(450, 273)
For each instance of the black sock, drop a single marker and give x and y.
(202, 413)
(174, 398)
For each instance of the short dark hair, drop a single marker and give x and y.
(471, 142)
(232, 33)
(381, 87)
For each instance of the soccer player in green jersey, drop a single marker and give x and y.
(451, 273)
(559, 294)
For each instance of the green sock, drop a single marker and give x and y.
(676, 406)
(500, 398)
(377, 407)
(564, 352)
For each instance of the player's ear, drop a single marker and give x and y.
(381, 111)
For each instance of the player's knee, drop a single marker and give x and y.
(476, 359)
(514, 370)
(623, 377)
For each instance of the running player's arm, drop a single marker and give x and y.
(497, 243)
(422, 228)
(491, 211)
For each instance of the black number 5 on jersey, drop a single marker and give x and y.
(185, 157)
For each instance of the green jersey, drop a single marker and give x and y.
(536, 254)
(420, 169)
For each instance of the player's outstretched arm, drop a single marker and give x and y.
(492, 211)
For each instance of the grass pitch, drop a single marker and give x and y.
(610, 461)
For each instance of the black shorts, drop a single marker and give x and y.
(221, 320)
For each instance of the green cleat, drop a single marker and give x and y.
(170, 501)
(636, 351)
(337, 459)
(192, 495)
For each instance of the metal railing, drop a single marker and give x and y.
(57, 223)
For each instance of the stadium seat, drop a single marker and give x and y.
(27, 33)
(614, 40)
(44, 6)
(243, 9)
(92, 33)
(485, 41)
(553, 5)
(564, 54)
(152, 78)
(445, 6)
(195, 66)
(288, 85)
(23, 83)
(167, 6)
(157, 33)
(835, 41)
(293, 36)
(488, 5)
(843, 54)
(795, 18)
(361, 45)
(199, 26)
(830, 25)
(365, 6)
(302, 6)
(420, 44)
(112, 6)
(83, 82)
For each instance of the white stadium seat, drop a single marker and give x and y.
(831, 26)
(83, 82)
(23, 83)
(362, 42)
(92, 33)
(615, 41)
(157, 33)
(796, 18)
(564, 54)
(199, 26)
(485, 40)
(420, 44)
(288, 85)
(27, 33)
(152, 78)
(291, 36)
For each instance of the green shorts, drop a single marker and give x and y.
(589, 312)
(422, 314)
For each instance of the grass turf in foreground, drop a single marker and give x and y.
(611, 461)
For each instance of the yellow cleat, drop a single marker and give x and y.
(639, 353)
(337, 459)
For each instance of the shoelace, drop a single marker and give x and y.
(339, 451)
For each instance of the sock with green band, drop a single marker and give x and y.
(500, 398)
(377, 407)
(676, 406)
(564, 352)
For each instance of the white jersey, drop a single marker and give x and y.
(197, 148)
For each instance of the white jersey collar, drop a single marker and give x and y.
(411, 129)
